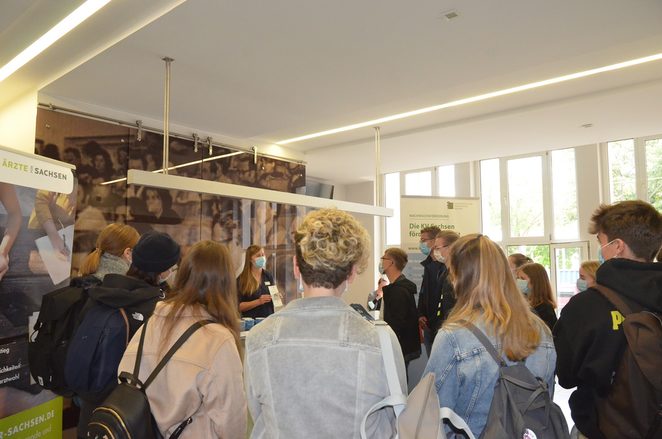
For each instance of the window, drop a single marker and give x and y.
(392, 201)
(654, 172)
(418, 183)
(491, 198)
(526, 197)
(564, 193)
(622, 174)
(446, 180)
(539, 253)
(567, 260)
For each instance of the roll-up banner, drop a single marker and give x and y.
(37, 213)
(461, 215)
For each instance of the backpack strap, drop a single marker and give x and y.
(482, 338)
(614, 298)
(180, 341)
(388, 357)
(126, 322)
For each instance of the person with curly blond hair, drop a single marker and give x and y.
(315, 368)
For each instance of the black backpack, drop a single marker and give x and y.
(95, 351)
(126, 412)
(59, 317)
(633, 406)
(521, 404)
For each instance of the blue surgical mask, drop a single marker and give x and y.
(261, 262)
(601, 257)
(582, 285)
(522, 285)
(423, 247)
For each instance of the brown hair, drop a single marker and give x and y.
(433, 231)
(541, 289)
(519, 259)
(485, 290)
(398, 256)
(591, 267)
(635, 222)
(204, 281)
(113, 239)
(329, 244)
(247, 282)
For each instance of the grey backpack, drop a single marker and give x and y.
(521, 407)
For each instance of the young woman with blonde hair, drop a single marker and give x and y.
(539, 292)
(253, 285)
(487, 297)
(587, 275)
(203, 380)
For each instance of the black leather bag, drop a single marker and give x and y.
(126, 413)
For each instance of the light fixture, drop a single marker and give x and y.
(176, 182)
(80, 14)
(478, 98)
(139, 133)
(211, 151)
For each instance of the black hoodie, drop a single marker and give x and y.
(401, 315)
(137, 297)
(589, 338)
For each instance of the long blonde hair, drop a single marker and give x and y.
(247, 282)
(113, 239)
(485, 290)
(205, 280)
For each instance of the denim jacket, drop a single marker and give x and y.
(465, 373)
(313, 370)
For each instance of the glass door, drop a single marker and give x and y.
(566, 259)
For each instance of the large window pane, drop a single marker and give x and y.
(654, 172)
(446, 180)
(568, 260)
(622, 175)
(526, 197)
(418, 183)
(490, 200)
(392, 200)
(539, 253)
(564, 192)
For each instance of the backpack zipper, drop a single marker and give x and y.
(114, 414)
(104, 428)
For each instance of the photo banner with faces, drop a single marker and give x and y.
(37, 214)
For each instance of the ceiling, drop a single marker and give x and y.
(255, 72)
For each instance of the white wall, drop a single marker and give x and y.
(365, 282)
(18, 123)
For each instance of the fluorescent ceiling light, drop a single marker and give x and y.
(143, 178)
(482, 97)
(183, 165)
(80, 14)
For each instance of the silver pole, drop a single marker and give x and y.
(378, 170)
(166, 114)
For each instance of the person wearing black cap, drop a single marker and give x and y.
(153, 260)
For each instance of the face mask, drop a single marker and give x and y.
(523, 285)
(601, 257)
(423, 247)
(260, 262)
(169, 276)
(582, 285)
(437, 256)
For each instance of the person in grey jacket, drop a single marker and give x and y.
(314, 369)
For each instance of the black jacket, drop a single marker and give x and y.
(430, 288)
(137, 297)
(400, 313)
(589, 338)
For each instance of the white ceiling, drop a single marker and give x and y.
(255, 72)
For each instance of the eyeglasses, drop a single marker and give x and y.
(385, 259)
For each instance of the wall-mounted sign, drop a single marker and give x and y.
(38, 173)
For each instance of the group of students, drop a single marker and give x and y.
(315, 368)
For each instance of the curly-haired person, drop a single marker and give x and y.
(315, 368)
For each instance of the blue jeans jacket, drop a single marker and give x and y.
(465, 373)
(313, 370)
